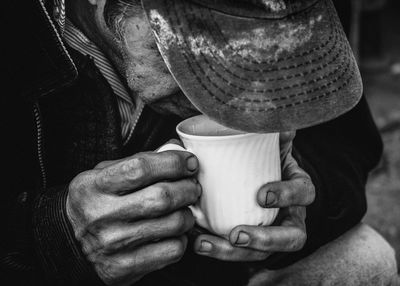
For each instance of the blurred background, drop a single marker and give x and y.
(375, 37)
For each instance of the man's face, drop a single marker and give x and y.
(121, 30)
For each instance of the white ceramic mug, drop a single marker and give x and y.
(233, 166)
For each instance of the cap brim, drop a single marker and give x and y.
(258, 75)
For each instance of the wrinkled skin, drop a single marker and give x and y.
(131, 216)
(121, 30)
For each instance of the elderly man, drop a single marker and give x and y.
(91, 93)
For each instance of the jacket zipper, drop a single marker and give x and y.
(39, 137)
(57, 37)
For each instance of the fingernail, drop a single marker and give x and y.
(192, 163)
(205, 246)
(270, 199)
(243, 238)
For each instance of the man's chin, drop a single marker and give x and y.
(176, 104)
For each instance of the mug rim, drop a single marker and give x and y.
(213, 137)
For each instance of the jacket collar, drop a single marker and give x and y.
(50, 66)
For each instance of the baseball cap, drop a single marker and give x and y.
(258, 65)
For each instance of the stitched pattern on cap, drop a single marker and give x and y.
(346, 73)
(331, 39)
(340, 50)
(265, 109)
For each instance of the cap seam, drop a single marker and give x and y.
(288, 87)
(280, 98)
(271, 69)
(345, 83)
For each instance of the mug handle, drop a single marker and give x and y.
(197, 212)
(170, 147)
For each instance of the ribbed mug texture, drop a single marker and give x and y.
(233, 167)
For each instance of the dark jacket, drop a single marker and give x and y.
(60, 118)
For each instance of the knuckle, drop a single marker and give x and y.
(175, 160)
(178, 222)
(164, 198)
(104, 178)
(75, 189)
(106, 237)
(287, 194)
(102, 165)
(177, 250)
(136, 168)
(195, 189)
(93, 228)
(101, 181)
(91, 241)
(311, 190)
(80, 184)
(299, 242)
(102, 241)
(181, 222)
(265, 239)
(109, 270)
(290, 195)
(302, 239)
(226, 252)
(80, 198)
(99, 165)
(93, 216)
(308, 189)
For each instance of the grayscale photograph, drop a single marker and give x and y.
(200, 143)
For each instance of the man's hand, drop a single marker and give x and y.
(256, 243)
(131, 215)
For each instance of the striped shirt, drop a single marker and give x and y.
(130, 106)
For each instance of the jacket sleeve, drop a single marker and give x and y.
(338, 155)
(59, 253)
(37, 245)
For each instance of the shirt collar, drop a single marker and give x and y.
(59, 14)
(80, 42)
